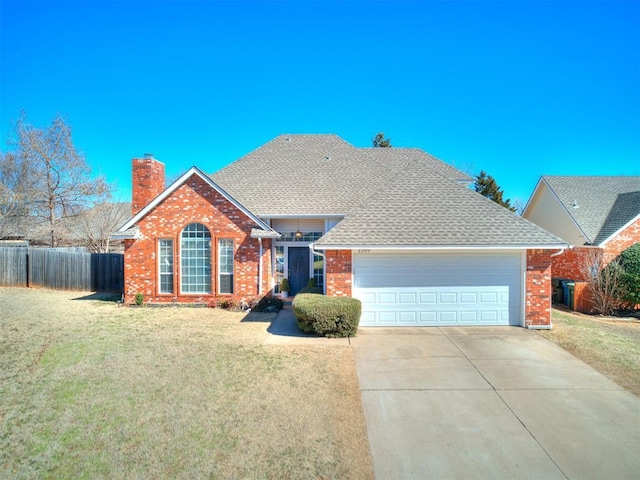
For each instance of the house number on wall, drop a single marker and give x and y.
(364, 250)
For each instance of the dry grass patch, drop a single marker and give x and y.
(610, 345)
(89, 389)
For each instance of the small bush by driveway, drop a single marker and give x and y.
(610, 345)
(92, 390)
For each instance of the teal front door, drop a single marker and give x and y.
(298, 269)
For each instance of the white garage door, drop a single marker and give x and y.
(438, 290)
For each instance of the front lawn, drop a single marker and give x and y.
(89, 389)
(610, 345)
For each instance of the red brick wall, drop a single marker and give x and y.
(147, 182)
(622, 241)
(194, 201)
(338, 273)
(538, 288)
(582, 300)
(569, 264)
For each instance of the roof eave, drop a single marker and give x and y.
(258, 233)
(617, 232)
(174, 186)
(545, 246)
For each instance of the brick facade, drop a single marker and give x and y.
(148, 182)
(194, 201)
(627, 237)
(538, 288)
(338, 272)
(571, 264)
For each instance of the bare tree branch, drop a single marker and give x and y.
(605, 282)
(53, 177)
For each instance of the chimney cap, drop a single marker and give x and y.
(148, 155)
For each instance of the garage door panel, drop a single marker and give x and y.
(428, 318)
(468, 317)
(386, 318)
(448, 297)
(407, 317)
(407, 298)
(428, 298)
(438, 289)
(469, 297)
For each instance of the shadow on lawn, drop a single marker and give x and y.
(101, 296)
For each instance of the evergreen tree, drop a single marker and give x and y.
(380, 140)
(487, 186)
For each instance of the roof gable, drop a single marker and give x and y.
(418, 208)
(175, 185)
(544, 208)
(601, 206)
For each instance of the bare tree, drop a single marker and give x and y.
(54, 178)
(94, 226)
(14, 196)
(605, 282)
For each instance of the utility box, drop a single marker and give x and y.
(571, 289)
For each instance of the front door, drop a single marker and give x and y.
(298, 268)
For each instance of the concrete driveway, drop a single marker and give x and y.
(491, 403)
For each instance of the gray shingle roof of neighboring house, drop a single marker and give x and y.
(604, 203)
(318, 174)
(420, 208)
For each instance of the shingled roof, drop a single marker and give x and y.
(600, 205)
(319, 174)
(419, 208)
(389, 196)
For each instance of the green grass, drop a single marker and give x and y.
(611, 346)
(92, 390)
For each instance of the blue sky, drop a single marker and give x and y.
(518, 89)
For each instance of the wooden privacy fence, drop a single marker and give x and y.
(61, 269)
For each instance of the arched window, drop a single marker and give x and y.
(195, 259)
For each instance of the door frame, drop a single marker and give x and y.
(309, 262)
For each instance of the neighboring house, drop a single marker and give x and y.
(598, 215)
(394, 227)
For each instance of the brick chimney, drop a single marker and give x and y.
(147, 181)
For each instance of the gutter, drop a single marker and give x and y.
(442, 247)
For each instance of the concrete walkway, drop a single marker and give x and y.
(491, 403)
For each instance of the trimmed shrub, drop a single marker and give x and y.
(328, 316)
(316, 290)
(311, 283)
(630, 263)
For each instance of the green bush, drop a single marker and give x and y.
(328, 316)
(316, 290)
(139, 298)
(311, 283)
(284, 285)
(630, 264)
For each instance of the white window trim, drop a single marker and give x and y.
(173, 272)
(219, 263)
(181, 277)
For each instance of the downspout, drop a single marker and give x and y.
(260, 267)
(315, 252)
(559, 252)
